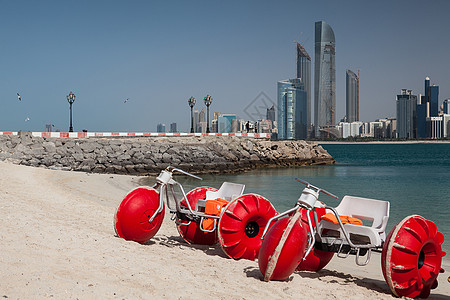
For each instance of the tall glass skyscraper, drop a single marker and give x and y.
(292, 109)
(304, 73)
(406, 115)
(324, 77)
(428, 107)
(352, 96)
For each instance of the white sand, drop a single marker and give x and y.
(57, 241)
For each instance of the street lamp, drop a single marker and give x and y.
(71, 100)
(191, 102)
(208, 100)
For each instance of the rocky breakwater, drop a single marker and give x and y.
(148, 155)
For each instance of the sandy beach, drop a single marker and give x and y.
(58, 241)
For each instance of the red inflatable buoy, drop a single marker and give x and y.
(412, 256)
(283, 248)
(131, 220)
(192, 233)
(316, 259)
(241, 225)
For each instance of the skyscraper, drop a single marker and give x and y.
(161, 128)
(324, 77)
(352, 96)
(304, 73)
(292, 109)
(406, 115)
(270, 114)
(428, 107)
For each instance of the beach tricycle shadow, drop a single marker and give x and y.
(303, 238)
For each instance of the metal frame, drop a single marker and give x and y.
(166, 185)
(309, 200)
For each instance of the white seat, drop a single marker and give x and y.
(228, 191)
(375, 211)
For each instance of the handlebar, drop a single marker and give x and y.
(318, 190)
(173, 169)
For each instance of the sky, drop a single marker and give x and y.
(157, 54)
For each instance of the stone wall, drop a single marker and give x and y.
(148, 155)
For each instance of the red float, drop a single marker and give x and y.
(412, 256)
(316, 259)
(242, 224)
(192, 233)
(131, 220)
(283, 248)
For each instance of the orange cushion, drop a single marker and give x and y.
(213, 207)
(331, 217)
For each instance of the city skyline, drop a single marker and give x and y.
(133, 67)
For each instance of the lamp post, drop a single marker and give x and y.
(191, 102)
(71, 100)
(208, 100)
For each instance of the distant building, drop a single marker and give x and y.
(427, 106)
(270, 115)
(352, 96)
(406, 115)
(161, 128)
(292, 110)
(304, 73)
(324, 77)
(446, 125)
(173, 127)
(225, 123)
(196, 120)
(202, 121)
(434, 127)
(446, 106)
(347, 129)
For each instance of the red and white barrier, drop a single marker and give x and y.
(114, 134)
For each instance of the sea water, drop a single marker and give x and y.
(414, 178)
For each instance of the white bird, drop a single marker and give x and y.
(27, 119)
(19, 97)
(126, 100)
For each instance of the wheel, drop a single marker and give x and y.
(241, 225)
(412, 256)
(192, 233)
(283, 248)
(316, 259)
(131, 220)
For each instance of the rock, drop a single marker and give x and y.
(143, 155)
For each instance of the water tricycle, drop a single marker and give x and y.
(303, 238)
(203, 216)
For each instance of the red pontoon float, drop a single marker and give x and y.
(204, 215)
(306, 238)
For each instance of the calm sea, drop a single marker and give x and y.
(414, 178)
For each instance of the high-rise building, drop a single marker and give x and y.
(161, 128)
(324, 78)
(428, 107)
(202, 121)
(434, 100)
(292, 110)
(196, 120)
(304, 73)
(352, 96)
(270, 115)
(406, 115)
(446, 106)
(225, 123)
(173, 127)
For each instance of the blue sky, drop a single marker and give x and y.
(159, 53)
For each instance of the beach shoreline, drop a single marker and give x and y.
(58, 242)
